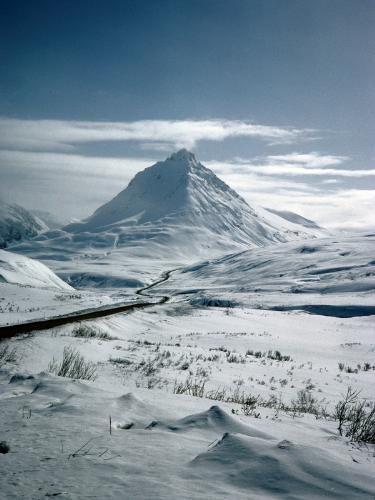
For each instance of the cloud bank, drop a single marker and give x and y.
(61, 135)
(295, 164)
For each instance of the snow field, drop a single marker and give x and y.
(167, 445)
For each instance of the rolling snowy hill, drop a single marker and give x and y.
(18, 269)
(16, 223)
(325, 276)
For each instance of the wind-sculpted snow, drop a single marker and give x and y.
(214, 419)
(279, 469)
(323, 276)
(61, 443)
(17, 224)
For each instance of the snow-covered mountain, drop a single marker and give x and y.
(179, 201)
(17, 223)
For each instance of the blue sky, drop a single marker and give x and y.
(276, 96)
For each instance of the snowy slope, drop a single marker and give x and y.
(320, 272)
(17, 269)
(17, 224)
(295, 218)
(172, 213)
(29, 290)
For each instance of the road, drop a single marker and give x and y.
(45, 324)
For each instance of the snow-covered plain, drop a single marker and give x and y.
(164, 418)
(165, 445)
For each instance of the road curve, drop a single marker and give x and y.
(45, 324)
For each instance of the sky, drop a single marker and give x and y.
(277, 97)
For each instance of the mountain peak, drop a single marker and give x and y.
(183, 155)
(179, 199)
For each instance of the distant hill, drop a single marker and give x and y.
(17, 223)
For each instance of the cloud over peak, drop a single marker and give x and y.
(64, 135)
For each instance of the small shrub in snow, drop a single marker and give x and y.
(349, 369)
(213, 302)
(277, 356)
(7, 354)
(192, 386)
(88, 332)
(356, 418)
(185, 365)
(235, 358)
(249, 405)
(120, 361)
(73, 365)
(305, 402)
(213, 357)
(274, 355)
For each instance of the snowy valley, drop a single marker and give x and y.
(228, 386)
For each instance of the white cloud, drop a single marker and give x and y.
(63, 135)
(341, 208)
(72, 164)
(310, 160)
(295, 164)
(331, 181)
(295, 170)
(68, 185)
